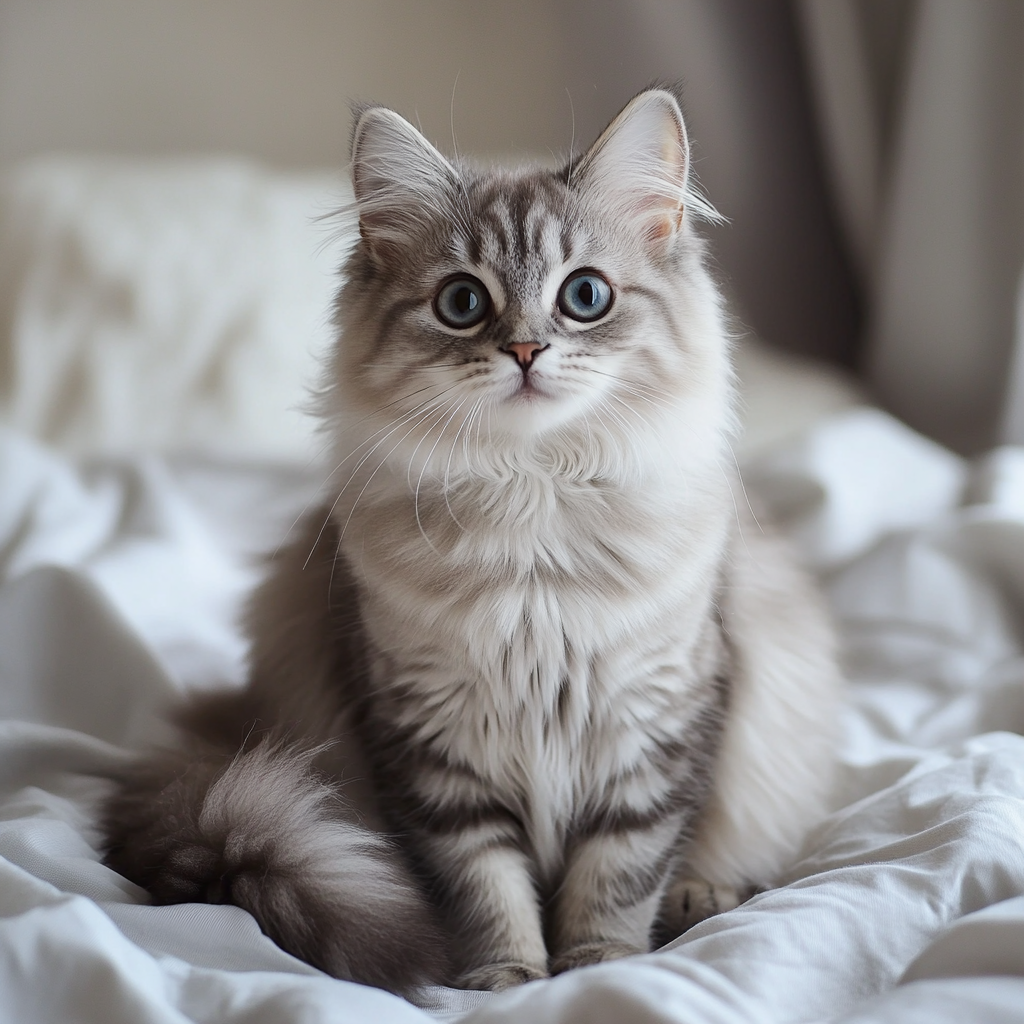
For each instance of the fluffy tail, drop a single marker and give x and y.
(264, 832)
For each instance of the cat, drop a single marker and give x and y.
(593, 699)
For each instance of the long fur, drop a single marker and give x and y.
(264, 831)
(584, 684)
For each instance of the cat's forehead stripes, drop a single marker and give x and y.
(519, 230)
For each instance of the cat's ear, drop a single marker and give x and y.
(397, 177)
(640, 165)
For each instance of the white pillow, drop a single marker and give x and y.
(174, 306)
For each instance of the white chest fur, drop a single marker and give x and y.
(545, 629)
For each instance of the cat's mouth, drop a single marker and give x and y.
(528, 390)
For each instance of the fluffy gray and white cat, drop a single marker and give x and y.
(593, 697)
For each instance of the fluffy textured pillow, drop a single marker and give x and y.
(170, 306)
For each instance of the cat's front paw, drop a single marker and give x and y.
(499, 976)
(593, 953)
(689, 901)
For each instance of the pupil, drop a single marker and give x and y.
(586, 293)
(465, 300)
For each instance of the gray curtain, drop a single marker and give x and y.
(921, 111)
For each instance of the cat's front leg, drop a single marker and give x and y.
(486, 885)
(616, 874)
(464, 839)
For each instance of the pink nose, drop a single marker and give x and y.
(525, 351)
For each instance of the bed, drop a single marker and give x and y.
(161, 323)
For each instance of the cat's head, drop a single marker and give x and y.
(528, 304)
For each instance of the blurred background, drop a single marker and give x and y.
(868, 154)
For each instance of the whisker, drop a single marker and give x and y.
(743, 487)
(639, 384)
(323, 483)
(643, 398)
(448, 467)
(426, 462)
(420, 411)
(480, 426)
(625, 424)
(380, 464)
(634, 386)
(451, 113)
(640, 443)
(485, 403)
(590, 435)
(595, 411)
(396, 423)
(636, 412)
(412, 457)
(393, 423)
(389, 405)
(419, 481)
(628, 389)
(605, 399)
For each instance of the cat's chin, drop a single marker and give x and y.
(529, 398)
(533, 410)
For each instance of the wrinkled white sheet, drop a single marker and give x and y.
(120, 586)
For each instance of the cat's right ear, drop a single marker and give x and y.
(639, 167)
(397, 176)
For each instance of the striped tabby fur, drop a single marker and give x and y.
(585, 685)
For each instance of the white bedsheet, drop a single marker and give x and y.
(120, 584)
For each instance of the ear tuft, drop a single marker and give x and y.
(640, 165)
(398, 177)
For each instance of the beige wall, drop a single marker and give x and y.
(274, 78)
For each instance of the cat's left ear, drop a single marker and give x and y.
(640, 165)
(398, 178)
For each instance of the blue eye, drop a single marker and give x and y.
(462, 302)
(585, 296)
